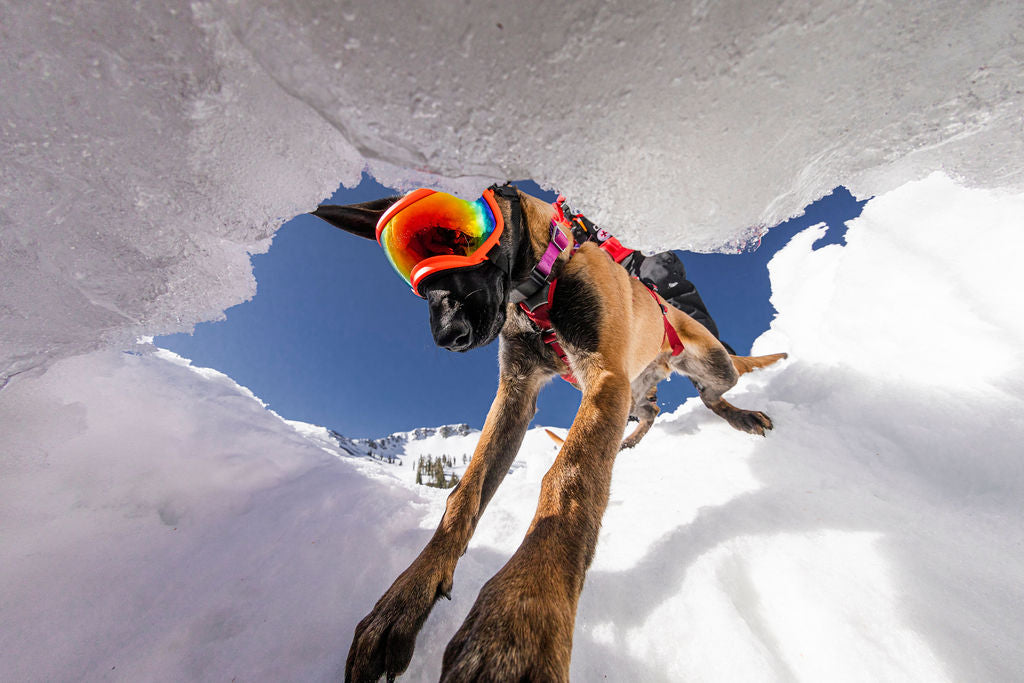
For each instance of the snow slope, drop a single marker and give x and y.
(159, 523)
(149, 146)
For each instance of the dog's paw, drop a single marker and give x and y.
(751, 421)
(633, 439)
(385, 638)
(514, 632)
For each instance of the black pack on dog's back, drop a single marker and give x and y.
(663, 272)
(667, 274)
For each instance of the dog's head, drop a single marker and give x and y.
(467, 305)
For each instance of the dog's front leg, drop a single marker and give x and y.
(521, 626)
(384, 639)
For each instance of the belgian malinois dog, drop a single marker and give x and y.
(611, 332)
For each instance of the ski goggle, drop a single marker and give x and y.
(427, 232)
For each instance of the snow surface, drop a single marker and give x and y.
(148, 147)
(159, 523)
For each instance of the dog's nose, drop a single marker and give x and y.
(457, 335)
(450, 324)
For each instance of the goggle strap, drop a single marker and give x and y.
(508, 192)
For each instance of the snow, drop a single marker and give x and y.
(155, 516)
(159, 523)
(150, 147)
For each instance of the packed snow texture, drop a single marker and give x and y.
(159, 523)
(149, 147)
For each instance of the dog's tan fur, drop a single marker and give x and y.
(521, 626)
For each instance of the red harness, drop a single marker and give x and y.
(670, 332)
(541, 315)
(541, 318)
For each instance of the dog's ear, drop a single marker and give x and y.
(358, 219)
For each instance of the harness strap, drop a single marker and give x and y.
(541, 317)
(670, 332)
(536, 294)
(529, 289)
(614, 248)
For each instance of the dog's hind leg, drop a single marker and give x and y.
(645, 413)
(713, 374)
(645, 399)
(645, 409)
(713, 371)
(384, 639)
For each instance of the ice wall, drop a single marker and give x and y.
(141, 162)
(148, 147)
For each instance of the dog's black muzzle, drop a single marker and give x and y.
(467, 307)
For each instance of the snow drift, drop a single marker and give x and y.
(149, 146)
(160, 524)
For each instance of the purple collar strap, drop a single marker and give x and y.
(555, 248)
(540, 276)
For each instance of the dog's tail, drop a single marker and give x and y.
(554, 437)
(745, 364)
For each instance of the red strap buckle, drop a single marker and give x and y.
(614, 248)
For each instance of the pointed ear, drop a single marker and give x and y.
(358, 219)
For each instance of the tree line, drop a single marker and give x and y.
(430, 471)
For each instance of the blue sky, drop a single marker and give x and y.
(335, 338)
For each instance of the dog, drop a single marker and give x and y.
(610, 335)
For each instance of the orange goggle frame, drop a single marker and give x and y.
(427, 232)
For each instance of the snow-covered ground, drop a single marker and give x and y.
(159, 523)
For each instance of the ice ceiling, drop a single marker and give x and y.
(149, 147)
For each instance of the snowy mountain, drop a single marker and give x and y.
(400, 441)
(160, 523)
(422, 441)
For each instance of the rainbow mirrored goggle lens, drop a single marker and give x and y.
(426, 232)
